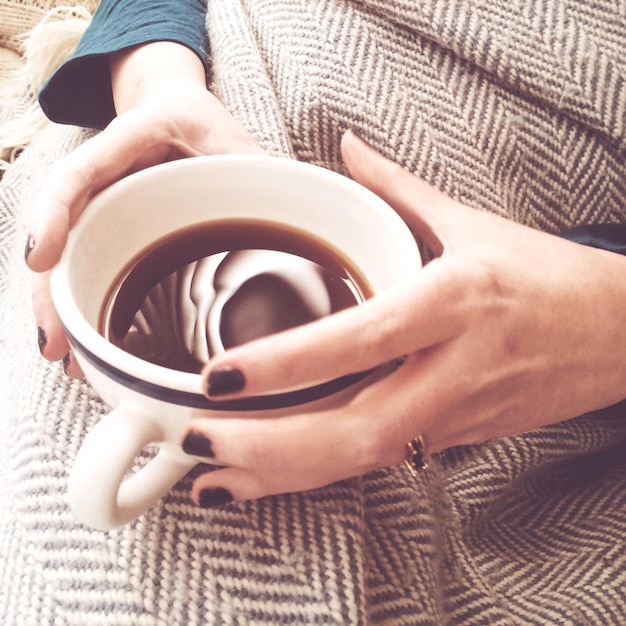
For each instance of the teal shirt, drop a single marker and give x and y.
(79, 92)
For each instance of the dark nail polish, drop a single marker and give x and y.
(42, 340)
(210, 498)
(30, 244)
(66, 362)
(398, 363)
(225, 380)
(196, 444)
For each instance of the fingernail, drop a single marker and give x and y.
(217, 496)
(225, 380)
(398, 363)
(196, 444)
(66, 362)
(42, 340)
(30, 244)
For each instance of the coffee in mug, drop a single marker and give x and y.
(209, 287)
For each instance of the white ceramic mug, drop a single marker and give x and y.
(151, 404)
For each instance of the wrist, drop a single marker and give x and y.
(153, 71)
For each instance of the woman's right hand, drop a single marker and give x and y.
(165, 112)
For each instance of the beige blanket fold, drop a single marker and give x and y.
(35, 38)
(515, 107)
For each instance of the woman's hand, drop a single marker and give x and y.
(165, 112)
(508, 329)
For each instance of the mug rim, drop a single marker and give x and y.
(185, 388)
(196, 400)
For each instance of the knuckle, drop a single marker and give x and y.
(477, 281)
(84, 172)
(76, 172)
(490, 302)
(151, 125)
(253, 453)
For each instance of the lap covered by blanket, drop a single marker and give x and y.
(517, 108)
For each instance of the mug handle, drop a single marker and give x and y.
(99, 492)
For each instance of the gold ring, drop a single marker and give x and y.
(416, 455)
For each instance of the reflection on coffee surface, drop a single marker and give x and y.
(210, 287)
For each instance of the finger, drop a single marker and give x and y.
(79, 176)
(51, 336)
(437, 219)
(388, 326)
(272, 455)
(219, 487)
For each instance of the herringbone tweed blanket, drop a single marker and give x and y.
(513, 106)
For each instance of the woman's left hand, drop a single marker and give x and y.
(165, 112)
(507, 330)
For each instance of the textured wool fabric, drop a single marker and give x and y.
(515, 107)
(35, 37)
(17, 17)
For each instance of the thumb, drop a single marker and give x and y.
(436, 219)
(129, 143)
(50, 222)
